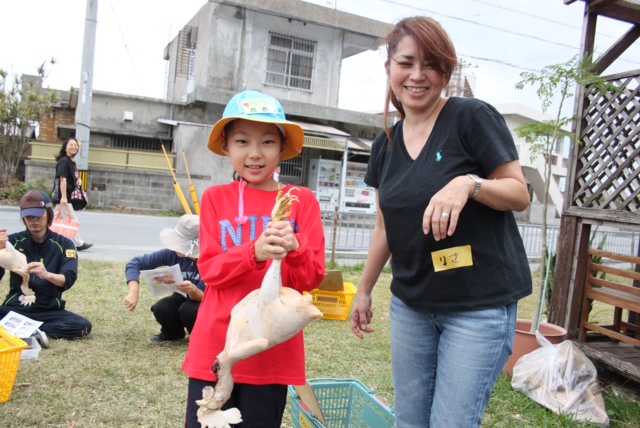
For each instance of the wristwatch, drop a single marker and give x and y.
(478, 182)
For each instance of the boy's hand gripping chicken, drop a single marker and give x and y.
(265, 318)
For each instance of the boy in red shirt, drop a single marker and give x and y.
(238, 241)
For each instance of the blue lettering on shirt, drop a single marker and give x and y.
(231, 233)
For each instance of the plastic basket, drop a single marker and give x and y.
(345, 403)
(334, 305)
(10, 349)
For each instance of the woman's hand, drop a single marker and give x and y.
(63, 191)
(361, 315)
(443, 211)
(3, 237)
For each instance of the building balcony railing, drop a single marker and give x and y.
(106, 157)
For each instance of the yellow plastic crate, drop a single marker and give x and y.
(335, 305)
(10, 351)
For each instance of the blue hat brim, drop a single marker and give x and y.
(33, 212)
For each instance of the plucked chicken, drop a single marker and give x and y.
(14, 261)
(265, 318)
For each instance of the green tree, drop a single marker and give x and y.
(555, 86)
(22, 105)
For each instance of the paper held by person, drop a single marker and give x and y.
(163, 281)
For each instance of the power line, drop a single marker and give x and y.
(470, 21)
(126, 47)
(492, 27)
(497, 61)
(542, 18)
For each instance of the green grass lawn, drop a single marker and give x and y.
(116, 378)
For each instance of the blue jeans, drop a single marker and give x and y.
(445, 365)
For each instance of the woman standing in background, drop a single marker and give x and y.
(67, 172)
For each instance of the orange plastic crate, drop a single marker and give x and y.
(335, 305)
(10, 351)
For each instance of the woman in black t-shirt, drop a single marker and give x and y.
(67, 172)
(448, 179)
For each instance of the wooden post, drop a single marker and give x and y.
(335, 228)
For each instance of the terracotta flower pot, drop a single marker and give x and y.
(525, 342)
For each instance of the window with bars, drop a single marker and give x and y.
(289, 62)
(185, 63)
(139, 143)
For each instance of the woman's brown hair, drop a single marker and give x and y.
(434, 46)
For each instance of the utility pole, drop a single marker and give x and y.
(83, 111)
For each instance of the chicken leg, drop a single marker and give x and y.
(14, 261)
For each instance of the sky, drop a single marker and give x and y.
(496, 39)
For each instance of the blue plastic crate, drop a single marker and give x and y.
(345, 403)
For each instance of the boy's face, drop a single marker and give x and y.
(255, 149)
(37, 225)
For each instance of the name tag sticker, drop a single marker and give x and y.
(264, 106)
(452, 258)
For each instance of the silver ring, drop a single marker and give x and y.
(445, 215)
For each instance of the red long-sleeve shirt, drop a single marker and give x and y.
(228, 266)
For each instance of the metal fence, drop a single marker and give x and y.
(351, 232)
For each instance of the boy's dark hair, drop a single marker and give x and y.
(49, 213)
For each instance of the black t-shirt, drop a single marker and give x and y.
(469, 137)
(66, 168)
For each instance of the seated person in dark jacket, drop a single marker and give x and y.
(52, 268)
(176, 312)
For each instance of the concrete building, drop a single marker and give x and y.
(290, 49)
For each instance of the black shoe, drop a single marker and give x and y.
(42, 338)
(84, 246)
(162, 338)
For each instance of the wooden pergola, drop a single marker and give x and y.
(603, 189)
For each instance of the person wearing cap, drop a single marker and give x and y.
(69, 179)
(178, 311)
(238, 242)
(52, 267)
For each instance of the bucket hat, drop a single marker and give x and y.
(258, 107)
(34, 203)
(185, 237)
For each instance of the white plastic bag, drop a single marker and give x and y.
(563, 379)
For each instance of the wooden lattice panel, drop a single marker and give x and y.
(608, 162)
